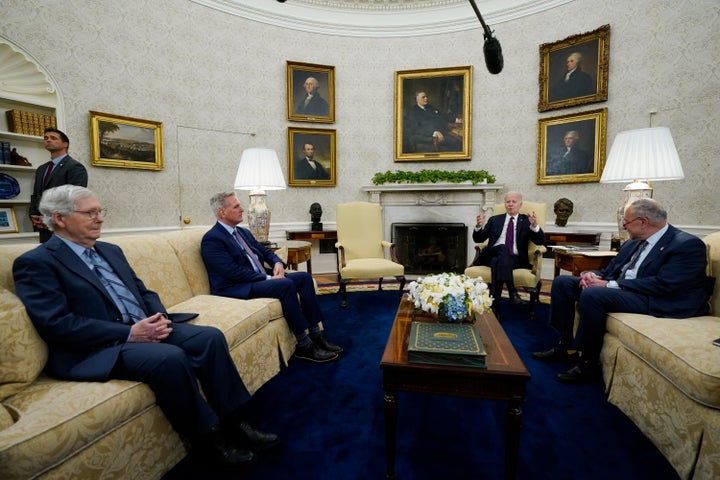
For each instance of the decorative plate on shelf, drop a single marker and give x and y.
(9, 187)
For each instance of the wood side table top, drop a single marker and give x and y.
(577, 262)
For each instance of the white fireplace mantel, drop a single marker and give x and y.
(433, 203)
(447, 194)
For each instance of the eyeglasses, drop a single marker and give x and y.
(93, 214)
(628, 222)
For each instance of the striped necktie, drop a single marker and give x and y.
(126, 302)
(254, 261)
(634, 259)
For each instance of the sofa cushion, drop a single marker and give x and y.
(56, 419)
(679, 349)
(237, 319)
(186, 244)
(8, 254)
(22, 352)
(156, 264)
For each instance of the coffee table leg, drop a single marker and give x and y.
(513, 422)
(390, 433)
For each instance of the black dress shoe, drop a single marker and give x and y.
(557, 354)
(215, 448)
(580, 373)
(316, 354)
(252, 438)
(516, 300)
(322, 342)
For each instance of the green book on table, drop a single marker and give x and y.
(456, 344)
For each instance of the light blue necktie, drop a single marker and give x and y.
(131, 310)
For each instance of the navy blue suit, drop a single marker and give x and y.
(87, 339)
(231, 274)
(498, 257)
(671, 282)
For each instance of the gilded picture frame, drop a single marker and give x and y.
(433, 114)
(125, 142)
(8, 222)
(317, 145)
(589, 53)
(310, 92)
(571, 148)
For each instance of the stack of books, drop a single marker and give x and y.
(29, 123)
(456, 344)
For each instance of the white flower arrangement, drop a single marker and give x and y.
(454, 296)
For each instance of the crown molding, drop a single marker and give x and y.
(380, 18)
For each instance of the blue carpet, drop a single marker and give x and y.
(330, 416)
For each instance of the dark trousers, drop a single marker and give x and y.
(502, 264)
(299, 313)
(172, 369)
(593, 305)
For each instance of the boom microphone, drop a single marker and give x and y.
(491, 49)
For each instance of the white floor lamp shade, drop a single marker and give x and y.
(259, 170)
(639, 156)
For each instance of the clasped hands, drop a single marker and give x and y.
(153, 329)
(591, 279)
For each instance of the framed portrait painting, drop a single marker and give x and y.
(571, 148)
(311, 157)
(8, 222)
(574, 71)
(310, 92)
(125, 142)
(433, 114)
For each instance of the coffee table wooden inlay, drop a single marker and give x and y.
(504, 379)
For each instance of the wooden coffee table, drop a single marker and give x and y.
(504, 378)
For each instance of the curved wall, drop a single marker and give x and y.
(217, 82)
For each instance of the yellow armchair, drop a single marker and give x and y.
(527, 279)
(361, 248)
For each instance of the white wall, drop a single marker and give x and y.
(217, 82)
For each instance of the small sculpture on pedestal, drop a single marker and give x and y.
(315, 215)
(563, 210)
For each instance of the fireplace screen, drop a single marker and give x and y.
(431, 247)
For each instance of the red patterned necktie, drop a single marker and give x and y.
(48, 172)
(510, 236)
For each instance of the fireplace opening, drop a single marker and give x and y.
(431, 247)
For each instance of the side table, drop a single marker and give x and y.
(298, 252)
(577, 262)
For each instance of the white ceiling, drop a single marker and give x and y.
(380, 18)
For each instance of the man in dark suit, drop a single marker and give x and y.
(101, 323)
(62, 169)
(235, 264)
(508, 236)
(307, 168)
(426, 128)
(312, 103)
(574, 82)
(660, 271)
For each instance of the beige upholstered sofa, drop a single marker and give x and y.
(664, 374)
(59, 429)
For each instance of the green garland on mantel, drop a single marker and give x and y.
(433, 176)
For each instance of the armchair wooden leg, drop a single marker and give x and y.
(380, 284)
(343, 292)
(401, 279)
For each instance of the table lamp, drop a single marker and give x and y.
(639, 156)
(259, 170)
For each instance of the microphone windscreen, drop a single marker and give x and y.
(493, 55)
